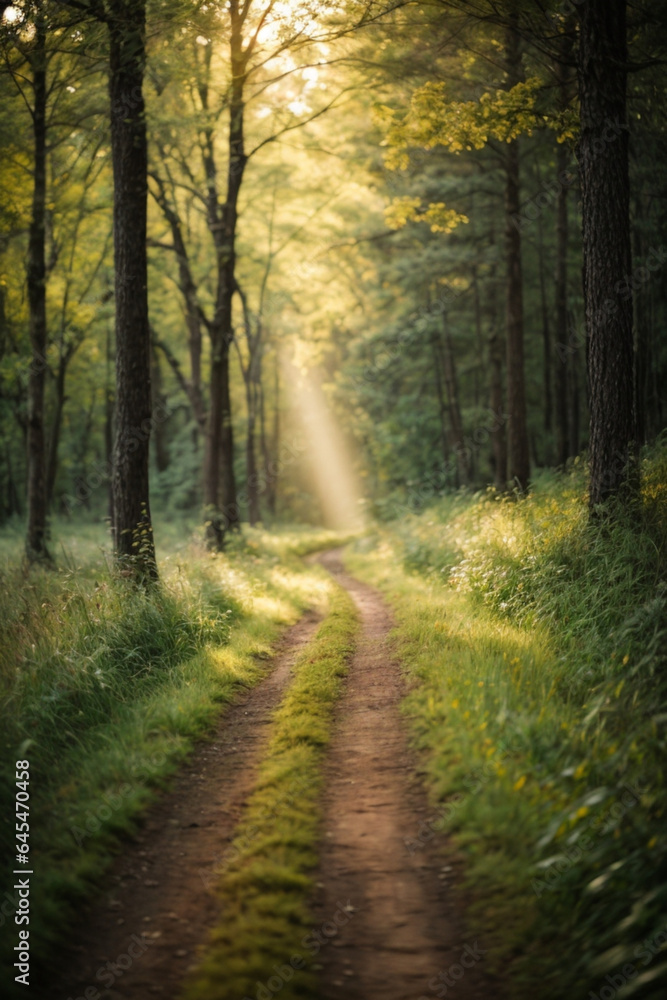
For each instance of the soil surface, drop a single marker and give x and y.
(387, 924)
(158, 904)
(399, 926)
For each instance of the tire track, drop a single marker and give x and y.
(406, 931)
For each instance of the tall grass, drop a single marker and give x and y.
(105, 686)
(539, 643)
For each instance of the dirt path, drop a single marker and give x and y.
(158, 904)
(404, 929)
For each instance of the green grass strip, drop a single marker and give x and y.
(266, 886)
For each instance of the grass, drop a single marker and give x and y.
(536, 643)
(105, 688)
(261, 945)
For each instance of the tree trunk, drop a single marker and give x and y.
(563, 349)
(252, 482)
(222, 512)
(442, 406)
(603, 158)
(462, 450)
(546, 338)
(498, 436)
(271, 469)
(519, 455)
(159, 405)
(36, 549)
(108, 421)
(56, 424)
(133, 531)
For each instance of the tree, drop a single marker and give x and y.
(132, 527)
(32, 52)
(36, 547)
(605, 184)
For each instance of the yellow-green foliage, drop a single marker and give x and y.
(538, 645)
(435, 120)
(265, 887)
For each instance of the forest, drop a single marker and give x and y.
(333, 499)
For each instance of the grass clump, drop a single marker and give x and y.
(266, 884)
(538, 645)
(105, 687)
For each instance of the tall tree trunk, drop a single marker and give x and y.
(496, 402)
(642, 333)
(133, 530)
(519, 454)
(159, 405)
(271, 470)
(56, 422)
(563, 349)
(252, 482)
(440, 395)
(546, 337)
(36, 548)
(108, 420)
(219, 479)
(463, 452)
(603, 157)
(479, 337)
(498, 436)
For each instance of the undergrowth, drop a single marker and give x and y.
(538, 641)
(105, 686)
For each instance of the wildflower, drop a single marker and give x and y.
(518, 785)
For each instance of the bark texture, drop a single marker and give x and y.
(519, 453)
(133, 532)
(36, 538)
(603, 157)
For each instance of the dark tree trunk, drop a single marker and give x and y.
(271, 470)
(563, 351)
(546, 337)
(519, 455)
(563, 348)
(462, 450)
(159, 406)
(479, 337)
(36, 548)
(133, 531)
(603, 158)
(56, 422)
(108, 420)
(222, 512)
(642, 334)
(440, 395)
(193, 313)
(498, 436)
(252, 481)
